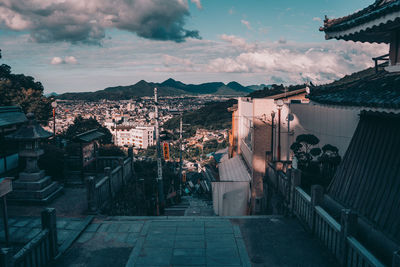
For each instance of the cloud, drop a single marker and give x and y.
(230, 58)
(66, 60)
(238, 42)
(174, 64)
(317, 19)
(246, 23)
(297, 63)
(282, 40)
(86, 21)
(56, 61)
(172, 60)
(198, 3)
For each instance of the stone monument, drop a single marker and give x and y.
(32, 186)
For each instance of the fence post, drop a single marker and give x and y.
(6, 258)
(295, 181)
(91, 194)
(396, 259)
(107, 172)
(348, 221)
(49, 221)
(317, 195)
(121, 163)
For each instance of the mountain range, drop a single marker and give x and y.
(169, 87)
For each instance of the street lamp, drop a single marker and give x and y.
(279, 103)
(289, 118)
(272, 133)
(54, 105)
(264, 119)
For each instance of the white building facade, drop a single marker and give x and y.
(139, 137)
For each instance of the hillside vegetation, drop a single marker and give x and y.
(169, 87)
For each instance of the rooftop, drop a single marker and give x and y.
(367, 180)
(365, 88)
(89, 136)
(11, 115)
(30, 131)
(371, 24)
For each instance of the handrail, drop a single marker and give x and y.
(102, 181)
(26, 253)
(364, 253)
(303, 194)
(328, 218)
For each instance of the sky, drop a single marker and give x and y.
(75, 45)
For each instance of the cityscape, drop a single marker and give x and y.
(141, 133)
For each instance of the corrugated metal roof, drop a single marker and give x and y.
(11, 115)
(233, 170)
(89, 135)
(368, 179)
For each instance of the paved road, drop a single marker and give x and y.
(181, 241)
(196, 241)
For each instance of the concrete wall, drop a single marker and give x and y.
(333, 125)
(230, 198)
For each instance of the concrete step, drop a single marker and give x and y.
(35, 194)
(32, 177)
(35, 201)
(32, 186)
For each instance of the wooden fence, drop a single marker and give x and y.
(40, 251)
(99, 194)
(338, 237)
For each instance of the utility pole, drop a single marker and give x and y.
(180, 156)
(160, 200)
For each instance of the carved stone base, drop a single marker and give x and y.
(34, 188)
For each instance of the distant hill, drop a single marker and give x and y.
(53, 94)
(169, 87)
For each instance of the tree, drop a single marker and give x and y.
(318, 165)
(24, 91)
(301, 149)
(82, 125)
(330, 160)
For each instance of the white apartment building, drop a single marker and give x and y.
(139, 137)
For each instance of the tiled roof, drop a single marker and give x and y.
(365, 88)
(367, 180)
(11, 115)
(30, 131)
(379, 9)
(89, 136)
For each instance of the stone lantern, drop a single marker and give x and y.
(33, 185)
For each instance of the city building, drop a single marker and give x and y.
(253, 133)
(130, 136)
